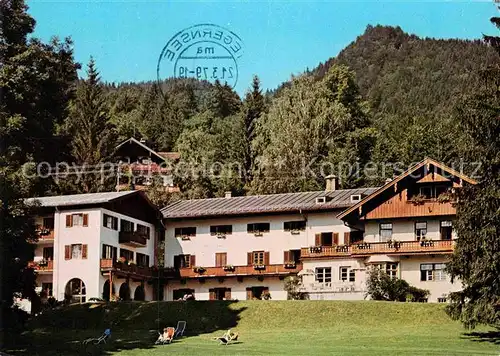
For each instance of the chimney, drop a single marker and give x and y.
(228, 195)
(332, 183)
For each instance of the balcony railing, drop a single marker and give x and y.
(108, 264)
(45, 234)
(270, 270)
(133, 238)
(370, 248)
(42, 266)
(347, 287)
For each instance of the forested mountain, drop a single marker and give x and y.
(406, 75)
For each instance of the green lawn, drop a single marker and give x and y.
(265, 328)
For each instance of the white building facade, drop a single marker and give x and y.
(96, 246)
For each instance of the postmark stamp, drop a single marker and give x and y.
(205, 52)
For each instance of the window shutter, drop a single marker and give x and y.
(217, 260)
(84, 251)
(286, 257)
(249, 293)
(69, 220)
(347, 238)
(317, 240)
(249, 258)
(227, 294)
(85, 219)
(224, 259)
(335, 239)
(266, 258)
(192, 260)
(67, 252)
(211, 294)
(103, 253)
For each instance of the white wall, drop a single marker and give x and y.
(238, 289)
(240, 242)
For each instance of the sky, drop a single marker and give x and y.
(279, 38)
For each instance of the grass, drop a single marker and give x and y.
(265, 328)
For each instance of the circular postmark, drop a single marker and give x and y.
(205, 52)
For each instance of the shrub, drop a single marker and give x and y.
(292, 287)
(381, 286)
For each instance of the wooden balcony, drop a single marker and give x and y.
(386, 248)
(133, 238)
(42, 266)
(45, 234)
(135, 272)
(264, 270)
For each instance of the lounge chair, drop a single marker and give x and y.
(227, 338)
(179, 330)
(166, 337)
(106, 335)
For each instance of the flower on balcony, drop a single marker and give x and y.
(122, 260)
(418, 199)
(259, 266)
(446, 197)
(290, 264)
(198, 269)
(228, 268)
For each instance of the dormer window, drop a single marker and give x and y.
(320, 200)
(355, 198)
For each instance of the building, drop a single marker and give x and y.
(82, 239)
(243, 247)
(139, 165)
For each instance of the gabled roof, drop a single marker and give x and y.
(258, 204)
(140, 144)
(426, 162)
(80, 199)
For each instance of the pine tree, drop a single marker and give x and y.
(476, 259)
(254, 107)
(93, 136)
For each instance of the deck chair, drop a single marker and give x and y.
(101, 339)
(179, 330)
(166, 337)
(227, 338)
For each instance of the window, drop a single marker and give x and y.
(184, 261)
(47, 289)
(258, 258)
(291, 256)
(323, 274)
(219, 294)
(385, 232)
(294, 225)
(48, 253)
(77, 220)
(347, 274)
(111, 222)
(75, 251)
(109, 252)
(127, 254)
(432, 272)
(220, 259)
(433, 191)
(446, 229)
(144, 230)
(326, 239)
(392, 270)
(142, 260)
(258, 228)
(126, 225)
(221, 230)
(48, 223)
(420, 230)
(185, 231)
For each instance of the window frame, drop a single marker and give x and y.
(113, 220)
(433, 274)
(384, 227)
(323, 275)
(185, 231)
(294, 225)
(392, 272)
(258, 258)
(258, 228)
(80, 256)
(420, 233)
(221, 230)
